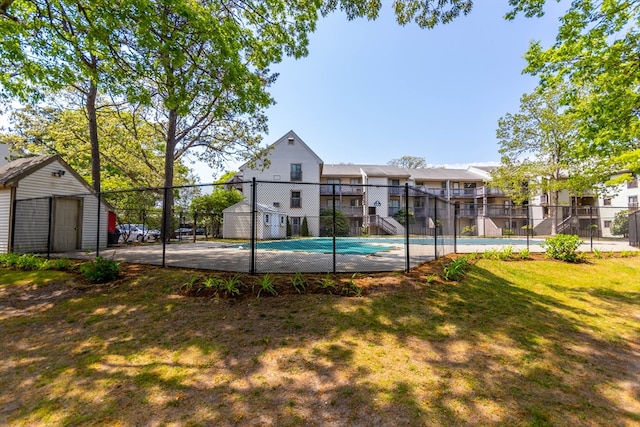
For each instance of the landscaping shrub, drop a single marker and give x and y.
(101, 270)
(562, 247)
(456, 269)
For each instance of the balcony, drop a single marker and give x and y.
(468, 212)
(341, 190)
(462, 192)
(396, 191)
(510, 212)
(442, 192)
(486, 191)
(352, 211)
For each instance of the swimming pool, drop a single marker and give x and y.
(372, 245)
(348, 246)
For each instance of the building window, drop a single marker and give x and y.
(394, 207)
(395, 186)
(334, 183)
(607, 201)
(276, 204)
(296, 172)
(282, 220)
(266, 218)
(354, 203)
(633, 202)
(607, 224)
(296, 200)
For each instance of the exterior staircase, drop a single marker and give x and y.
(388, 225)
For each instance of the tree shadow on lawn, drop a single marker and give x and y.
(478, 352)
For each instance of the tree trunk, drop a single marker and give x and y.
(169, 156)
(92, 95)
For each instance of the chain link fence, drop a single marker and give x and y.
(261, 227)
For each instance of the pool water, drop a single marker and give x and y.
(371, 245)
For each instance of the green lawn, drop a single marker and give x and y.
(514, 343)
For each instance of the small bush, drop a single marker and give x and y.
(562, 247)
(455, 269)
(299, 282)
(524, 254)
(189, 284)
(212, 283)
(327, 283)
(29, 262)
(266, 284)
(350, 288)
(231, 286)
(505, 253)
(9, 260)
(469, 230)
(101, 270)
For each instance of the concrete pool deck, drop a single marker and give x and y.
(224, 256)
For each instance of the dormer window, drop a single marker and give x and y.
(296, 172)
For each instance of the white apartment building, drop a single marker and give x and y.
(370, 195)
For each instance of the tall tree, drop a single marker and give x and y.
(409, 162)
(48, 45)
(538, 152)
(130, 147)
(596, 50)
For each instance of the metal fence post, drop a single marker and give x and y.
(591, 225)
(49, 228)
(528, 224)
(98, 230)
(252, 267)
(195, 225)
(164, 230)
(456, 211)
(333, 232)
(435, 230)
(406, 226)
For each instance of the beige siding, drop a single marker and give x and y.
(42, 183)
(282, 155)
(5, 209)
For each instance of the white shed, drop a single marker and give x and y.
(271, 223)
(46, 206)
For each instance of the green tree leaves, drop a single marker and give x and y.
(596, 52)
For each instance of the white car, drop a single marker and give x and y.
(137, 233)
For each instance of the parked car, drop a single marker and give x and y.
(137, 233)
(188, 232)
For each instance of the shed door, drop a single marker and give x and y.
(66, 227)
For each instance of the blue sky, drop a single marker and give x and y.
(372, 91)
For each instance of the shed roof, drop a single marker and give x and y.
(14, 171)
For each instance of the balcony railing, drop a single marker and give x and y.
(487, 191)
(347, 210)
(341, 190)
(507, 211)
(463, 192)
